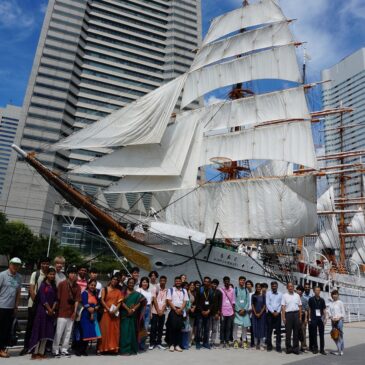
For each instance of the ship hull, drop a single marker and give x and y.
(176, 259)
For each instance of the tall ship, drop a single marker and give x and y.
(233, 185)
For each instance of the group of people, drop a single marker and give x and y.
(74, 309)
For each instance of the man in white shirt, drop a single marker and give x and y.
(291, 313)
(176, 299)
(59, 263)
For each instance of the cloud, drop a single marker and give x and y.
(12, 15)
(213, 100)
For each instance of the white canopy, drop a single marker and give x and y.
(258, 208)
(141, 122)
(272, 35)
(328, 228)
(277, 63)
(263, 12)
(166, 158)
(280, 105)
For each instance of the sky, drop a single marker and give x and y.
(332, 28)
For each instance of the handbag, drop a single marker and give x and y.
(335, 334)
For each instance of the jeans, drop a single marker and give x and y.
(340, 342)
(157, 324)
(314, 324)
(6, 320)
(226, 328)
(292, 330)
(214, 326)
(202, 329)
(273, 323)
(63, 332)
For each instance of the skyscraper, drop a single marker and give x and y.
(346, 88)
(9, 134)
(94, 56)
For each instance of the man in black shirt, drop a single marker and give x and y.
(215, 313)
(204, 304)
(317, 319)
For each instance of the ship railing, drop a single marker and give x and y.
(354, 312)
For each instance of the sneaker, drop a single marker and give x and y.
(245, 345)
(151, 347)
(235, 345)
(178, 349)
(172, 349)
(336, 353)
(161, 347)
(323, 352)
(65, 353)
(56, 354)
(341, 353)
(206, 346)
(262, 348)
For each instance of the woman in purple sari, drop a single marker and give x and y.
(44, 321)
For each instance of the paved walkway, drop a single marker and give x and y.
(354, 355)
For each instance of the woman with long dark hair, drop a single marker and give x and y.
(44, 320)
(111, 299)
(259, 317)
(132, 329)
(89, 326)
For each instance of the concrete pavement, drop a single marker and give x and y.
(354, 355)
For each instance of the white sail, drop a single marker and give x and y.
(272, 35)
(187, 178)
(273, 168)
(277, 63)
(166, 158)
(121, 203)
(259, 208)
(328, 228)
(143, 121)
(286, 104)
(357, 224)
(291, 142)
(263, 12)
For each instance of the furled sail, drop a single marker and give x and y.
(166, 158)
(263, 12)
(272, 35)
(141, 122)
(277, 63)
(328, 228)
(257, 208)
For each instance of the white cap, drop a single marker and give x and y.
(15, 260)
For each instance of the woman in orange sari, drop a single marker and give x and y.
(111, 299)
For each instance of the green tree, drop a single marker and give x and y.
(71, 255)
(16, 239)
(106, 264)
(39, 249)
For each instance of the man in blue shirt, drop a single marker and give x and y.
(273, 305)
(10, 285)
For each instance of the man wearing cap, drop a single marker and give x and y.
(69, 296)
(35, 282)
(10, 285)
